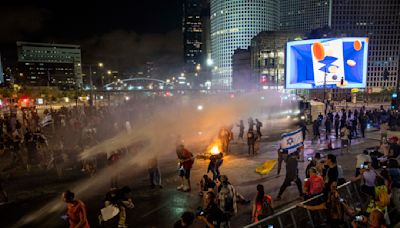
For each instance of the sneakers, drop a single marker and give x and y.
(179, 187)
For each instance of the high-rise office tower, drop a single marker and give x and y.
(44, 64)
(192, 28)
(304, 15)
(379, 20)
(233, 24)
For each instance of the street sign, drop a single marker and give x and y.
(355, 90)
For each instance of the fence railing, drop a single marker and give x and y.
(295, 216)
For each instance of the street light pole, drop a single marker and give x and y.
(91, 85)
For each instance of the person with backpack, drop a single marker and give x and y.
(314, 185)
(263, 205)
(251, 141)
(227, 199)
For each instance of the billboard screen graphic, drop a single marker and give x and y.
(330, 63)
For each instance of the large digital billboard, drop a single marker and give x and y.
(329, 63)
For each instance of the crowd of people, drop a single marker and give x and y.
(54, 139)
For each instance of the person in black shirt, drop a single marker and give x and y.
(212, 216)
(291, 175)
(330, 172)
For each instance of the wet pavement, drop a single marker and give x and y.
(162, 207)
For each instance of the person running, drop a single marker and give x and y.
(76, 211)
(263, 205)
(291, 175)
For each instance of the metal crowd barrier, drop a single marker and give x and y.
(295, 216)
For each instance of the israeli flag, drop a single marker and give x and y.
(292, 140)
(47, 120)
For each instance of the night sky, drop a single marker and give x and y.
(122, 34)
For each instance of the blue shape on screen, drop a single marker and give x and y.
(328, 62)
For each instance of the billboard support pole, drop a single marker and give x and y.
(325, 103)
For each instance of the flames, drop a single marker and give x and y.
(214, 150)
(215, 147)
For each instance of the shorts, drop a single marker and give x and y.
(345, 142)
(184, 173)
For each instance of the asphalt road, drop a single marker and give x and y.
(162, 207)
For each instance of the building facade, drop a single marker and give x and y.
(299, 15)
(233, 24)
(192, 29)
(43, 64)
(267, 57)
(241, 70)
(379, 20)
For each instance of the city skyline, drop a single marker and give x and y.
(125, 34)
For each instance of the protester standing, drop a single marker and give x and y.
(76, 211)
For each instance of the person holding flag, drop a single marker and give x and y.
(292, 142)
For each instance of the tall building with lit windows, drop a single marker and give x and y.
(192, 29)
(44, 64)
(233, 24)
(379, 20)
(304, 15)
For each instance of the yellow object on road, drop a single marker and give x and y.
(266, 167)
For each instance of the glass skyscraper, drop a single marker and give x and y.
(233, 24)
(379, 20)
(192, 28)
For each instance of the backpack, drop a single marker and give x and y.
(266, 210)
(316, 187)
(226, 194)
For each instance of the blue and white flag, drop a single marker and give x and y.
(47, 120)
(292, 140)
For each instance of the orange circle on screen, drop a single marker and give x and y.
(357, 45)
(318, 51)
